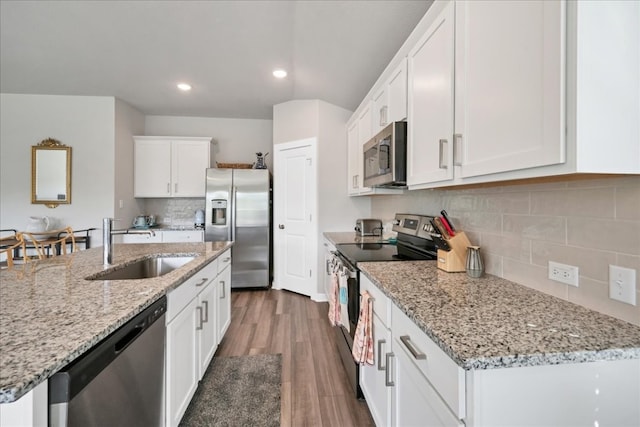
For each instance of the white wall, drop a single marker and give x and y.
(238, 140)
(296, 120)
(128, 122)
(84, 123)
(586, 223)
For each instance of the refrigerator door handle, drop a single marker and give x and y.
(232, 227)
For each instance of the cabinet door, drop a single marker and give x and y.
(397, 93)
(206, 326)
(509, 85)
(190, 159)
(182, 236)
(353, 152)
(152, 168)
(182, 372)
(416, 403)
(430, 112)
(365, 132)
(373, 378)
(224, 302)
(380, 110)
(142, 238)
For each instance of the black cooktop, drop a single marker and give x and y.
(367, 252)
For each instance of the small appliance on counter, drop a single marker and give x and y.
(368, 227)
(199, 220)
(144, 221)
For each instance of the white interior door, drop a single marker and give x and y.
(295, 223)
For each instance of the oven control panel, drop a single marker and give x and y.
(414, 225)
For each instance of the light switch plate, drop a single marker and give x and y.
(622, 284)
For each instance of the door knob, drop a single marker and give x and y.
(281, 226)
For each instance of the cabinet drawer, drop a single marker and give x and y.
(381, 303)
(179, 298)
(224, 260)
(182, 236)
(441, 371)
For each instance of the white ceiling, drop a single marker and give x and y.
(138, 50)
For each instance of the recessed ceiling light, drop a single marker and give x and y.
(279, 73)
(185, 87)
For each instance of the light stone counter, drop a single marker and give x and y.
(494, 323)
(50, 315)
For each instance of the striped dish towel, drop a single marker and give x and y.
(362, 351)
(334, 303)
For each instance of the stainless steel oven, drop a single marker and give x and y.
(413, 243)
(385, 157)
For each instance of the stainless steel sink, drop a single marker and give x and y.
(144, 269)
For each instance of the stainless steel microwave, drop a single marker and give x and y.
(385, 157)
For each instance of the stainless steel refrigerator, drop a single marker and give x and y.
(238, 208)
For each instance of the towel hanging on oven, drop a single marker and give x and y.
(334, 298)
(362, 351)
(343, 280)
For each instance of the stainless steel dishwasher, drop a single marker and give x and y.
(118, 382)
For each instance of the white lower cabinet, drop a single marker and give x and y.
(165, 236)
(224, 302)
(376, 381)
(415, 383)
(181, 363)
(198, 315)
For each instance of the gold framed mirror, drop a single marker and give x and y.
(50, 173)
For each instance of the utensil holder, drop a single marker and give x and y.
(454, 261)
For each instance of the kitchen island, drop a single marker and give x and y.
(50, 314)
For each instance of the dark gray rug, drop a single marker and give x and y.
(238, 391)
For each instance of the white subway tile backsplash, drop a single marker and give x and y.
(589, 223)
(596, 233)
(593, 263)
(591, 202)
(628, 203)
(547, 228)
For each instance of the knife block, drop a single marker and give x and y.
(454, 261)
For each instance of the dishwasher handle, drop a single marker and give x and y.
(121, 345)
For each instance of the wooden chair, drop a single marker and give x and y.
(8, 246)
(51, 243)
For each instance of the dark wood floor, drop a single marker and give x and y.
(314, 389)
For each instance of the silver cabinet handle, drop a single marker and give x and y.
(457, 149)
(380, 367)
(224, 291)
(202, 282)
(198, 328)
(281, 226)
(175, 187)
(206, 311)
(227, 259)
(417, 354)
(388, 381)
(383, 116)
(168, 187)
(441, 155)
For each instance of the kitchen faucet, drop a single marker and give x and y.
(107, 238)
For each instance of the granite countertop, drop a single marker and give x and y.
(50, 315)
(491, 322)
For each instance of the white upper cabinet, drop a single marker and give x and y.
(430, 112)
(509, 105)
(171, 167)
(390, 101)
(397, 93)
(354, 149)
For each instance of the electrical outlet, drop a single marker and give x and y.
(563, 273)
(622, 284)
